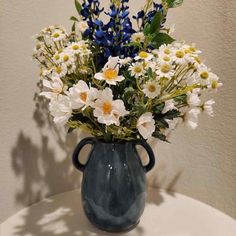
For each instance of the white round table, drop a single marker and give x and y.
(166, 214)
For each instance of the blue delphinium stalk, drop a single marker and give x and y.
(113, 36)
(90, 12)
(143, 17)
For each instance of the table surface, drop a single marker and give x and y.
(166, 214)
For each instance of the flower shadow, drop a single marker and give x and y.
(44, 175)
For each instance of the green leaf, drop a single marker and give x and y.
(181, 99)
(146, 29)
(170, 115)
(156, 23)
(160, 39)
(73, 18)
(78, 6)
(159, 108)
(73, 27)
(159, 135)
(139, 109)
(162, 124)
(174, 3)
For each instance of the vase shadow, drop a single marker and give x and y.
(43, 175)
(61, 215)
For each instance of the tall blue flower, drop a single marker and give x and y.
(144, 18)
(111, 37)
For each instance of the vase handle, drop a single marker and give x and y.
(151, 155)
(75, 157)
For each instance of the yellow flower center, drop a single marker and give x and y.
(152, 88)
(56, 35)
(179, 54)
(187, 51)
(166, 58)
(198, 60)
(138, 39)
(167, 51)
(204, 75)
(156, 55)
(192, 49)
(58, 70)
(75, 47)
(165, 68)
(83, 96)
(66, 58)
(214, 84)
(107, 108)
(143, 54)
(38, 46)
(137, 69)
(110, 74)
(57, 57)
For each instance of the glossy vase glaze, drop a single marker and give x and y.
(114, 183)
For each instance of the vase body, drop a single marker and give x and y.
(114, 184)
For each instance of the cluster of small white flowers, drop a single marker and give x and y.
(179, 65)
(81, 96)
(160, 74)
(59, 58)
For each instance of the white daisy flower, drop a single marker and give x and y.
(67, 57)
(151, 89)
(74, 48)
(55, 88)
(57, 58)
(83, 48)
(207, 107)
(165, 70)
(169, 106)
(136, 69)
(107, 110)
(110, 72)
(165, 49)
(79, 95)
(164, 58)
(58, 35)
(39, 48)
(193, 98)
(82, 26)
(191, 117)
(61, 109)
(204, 73)
(214, 83)
(59, 71)
(138, 37)
(146, 125)
(178, 56)
(125, 61)
(144, 56)
(191, 49)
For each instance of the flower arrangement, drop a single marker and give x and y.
(119, 81)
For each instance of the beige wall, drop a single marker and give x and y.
(35, 163)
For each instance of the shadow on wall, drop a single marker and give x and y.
(44, 175)
(41, 171)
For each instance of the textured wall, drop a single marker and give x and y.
(35, 160)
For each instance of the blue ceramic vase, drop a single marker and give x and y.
(114, 183)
